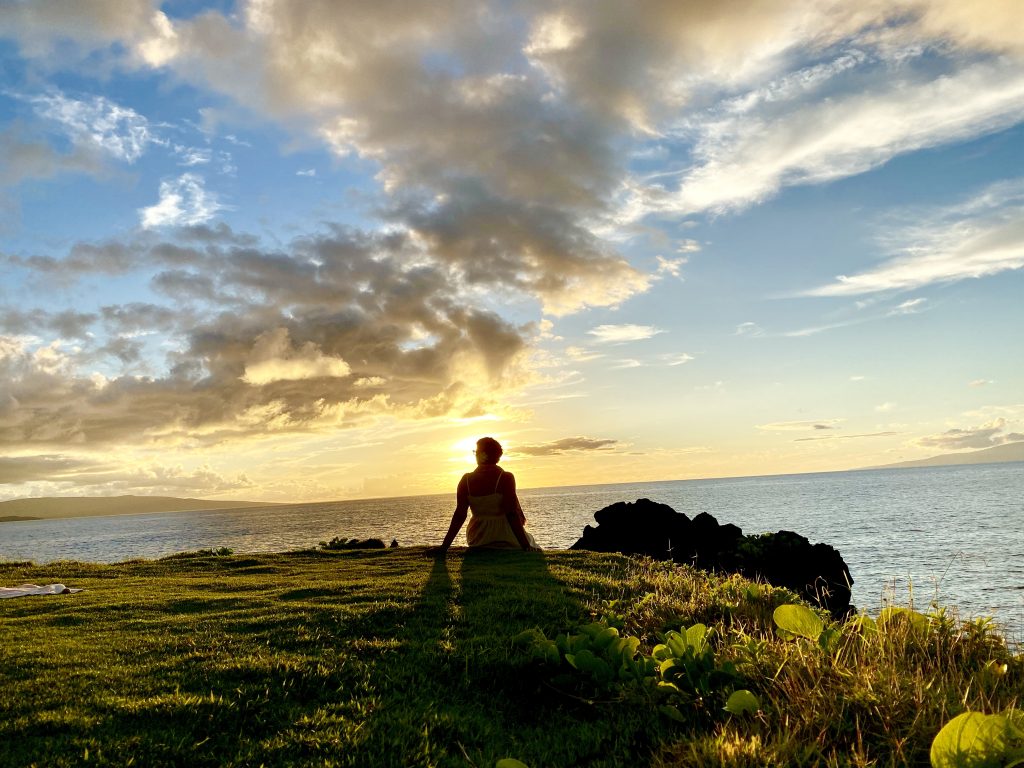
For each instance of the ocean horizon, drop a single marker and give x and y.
(952, 536)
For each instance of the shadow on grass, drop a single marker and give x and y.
(423, 671)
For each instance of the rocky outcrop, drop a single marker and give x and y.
(783, 559)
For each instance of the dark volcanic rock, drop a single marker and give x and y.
(783, 559)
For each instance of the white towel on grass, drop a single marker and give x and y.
(34, 589)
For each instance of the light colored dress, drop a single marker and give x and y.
(488, 527)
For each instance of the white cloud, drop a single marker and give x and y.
(908, 307)
(677, 359)
(191, 156)
(744, 158)
(183, 202)
(749, 329)
(581, 354)
(800, 426)
(618, 334)
(980, 383)
(671, 267)
(885, 407)
(306, 172)
(120, 132)
(627, 363)
(982, 236)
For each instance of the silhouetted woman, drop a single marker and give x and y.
(490, 492)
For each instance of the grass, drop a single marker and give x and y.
(388, 658)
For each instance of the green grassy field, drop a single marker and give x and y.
(389, 658)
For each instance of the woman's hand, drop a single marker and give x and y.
(435, 551)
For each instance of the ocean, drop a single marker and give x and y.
(952, 535)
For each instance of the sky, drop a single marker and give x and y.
(313, 249)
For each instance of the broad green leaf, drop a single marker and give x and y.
(974, 740)
(829, 639)
(586, 661)
(667, 666)
(510, 762)
(798, 620)
(661, 652)
(697, 638)
(548, 651)
(676, 643)
(630, 646)
(741, 702)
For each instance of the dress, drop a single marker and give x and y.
(488, 527)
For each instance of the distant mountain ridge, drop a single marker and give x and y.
(46, 508)
(999, 454)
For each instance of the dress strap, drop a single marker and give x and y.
(500, 473)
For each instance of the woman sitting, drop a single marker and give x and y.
(490, 492)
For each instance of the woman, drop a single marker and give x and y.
(490, 492)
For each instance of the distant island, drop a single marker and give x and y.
(48, 508)
(1000, 454)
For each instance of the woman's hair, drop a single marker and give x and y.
(490, 447)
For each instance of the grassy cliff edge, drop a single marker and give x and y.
(389, 658)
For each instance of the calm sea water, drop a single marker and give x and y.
(952, 534)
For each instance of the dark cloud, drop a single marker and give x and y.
(67, 324)
(565, 445)
(261, 341)
(846, 437)
(984, 436)
(24, 156)
(24, 469)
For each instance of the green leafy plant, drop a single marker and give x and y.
(742, 702)
(680, 673)
(977, 740)
(799, 621)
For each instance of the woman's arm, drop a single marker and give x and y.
(458, 517)
(513, 510)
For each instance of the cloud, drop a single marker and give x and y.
(680, 358)
(671, 267)
(845, 437)
(44, 29)
(565, 445)
(183, 202)
(980, 383)
(619, 334)
(53, 467)
(24, 156)
(983, 436)
(908, 307)
(306, 172)
(582, 354)
(190, 156)
(99, 123)
(498, 139)
(885, 407)
(273, 358)
(749, 329)
(981, 236)
(796, 426)
(747, 157)
(338, 329)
